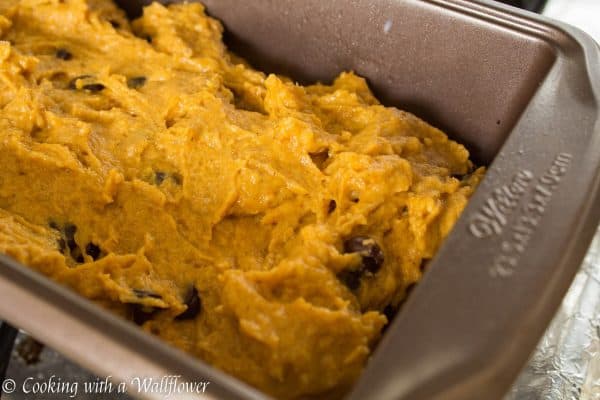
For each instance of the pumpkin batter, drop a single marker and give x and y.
(265, 227)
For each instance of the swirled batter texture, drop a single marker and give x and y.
(257, 224)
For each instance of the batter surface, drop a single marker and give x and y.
(265, 227)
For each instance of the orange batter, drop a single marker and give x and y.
(259, 225)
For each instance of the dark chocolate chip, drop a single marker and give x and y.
(462, 177)
(72, 244)
(90, 87)
(72, 83)
(369, 250)
(93, 251)
(194, 305)
(70, 231)
(62, 246)
(424, 264)
(159, 177)
(320, 158)
(136, 82)
(144, 293)
(390, 312)
(114, 24)
(351, 278)
(68, 241)
(93, 87)
(177, 178)
(30, 350)
(331, 207)
(75, 251)
(64, 54)
(140, 314)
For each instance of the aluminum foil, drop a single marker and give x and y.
(566, 362)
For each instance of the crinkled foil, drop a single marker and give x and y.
(566, 362)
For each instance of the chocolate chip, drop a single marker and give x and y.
(75, 251)
(424, 264)
(114, 24)
(90, 87)
(70, 231)
(159, 177)
(331, 207)
(93, 251)
(177, 178)
(351, 278)
(72, 244)
(64, 54)
(148, 38)
(194, 305)
(390, 312)
(144, 293)
(73, 82)
(67, 240)
(93, 87)
(369, 250)
(30, 350)
(463, 177)
(319, 158)
(136, 82)
(62, 246)
(140, 314)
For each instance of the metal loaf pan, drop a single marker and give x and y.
(520, 91)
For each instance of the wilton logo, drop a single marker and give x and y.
(530, 215)
(492, 216)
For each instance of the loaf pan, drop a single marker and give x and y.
(519, 91)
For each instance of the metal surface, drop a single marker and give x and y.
(518, 90)
(566, 363)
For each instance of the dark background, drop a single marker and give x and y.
(531, 5)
